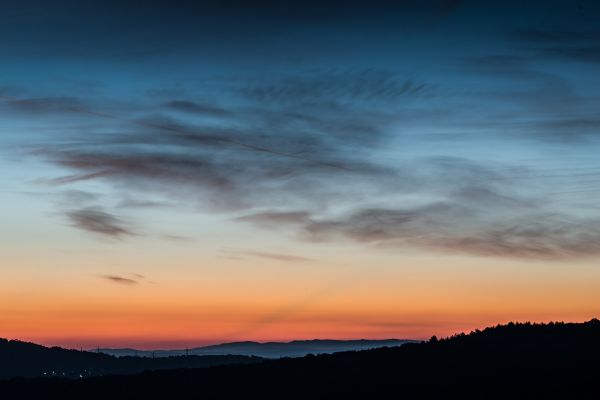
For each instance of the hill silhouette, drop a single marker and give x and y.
(295, 348)
(24, 359)
(556, 360)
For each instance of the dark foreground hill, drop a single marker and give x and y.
(296, 348)
(23, 359)
(515, 361)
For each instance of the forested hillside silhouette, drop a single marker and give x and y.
(556, 360)
(23, 359)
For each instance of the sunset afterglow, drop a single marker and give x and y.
(182, 176)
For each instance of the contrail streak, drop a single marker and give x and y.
(294, 307)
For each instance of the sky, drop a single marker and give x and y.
(184, 173)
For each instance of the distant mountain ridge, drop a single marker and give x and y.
(295, 348)
(24, 359)
(30, 360)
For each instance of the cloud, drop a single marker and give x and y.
(349, 155)
(240, 253)
(131, 279)
(536, 105)
(120, 280)
(197, 108)
(289, 147)
(474, 210)
(488, 225)
(441, 227)
(177, 238)
(557, 36)
(98, 221)
(43, 105)
(135, 203)
(590, 54)
(73, 196)
(274, 218)
(338, 86)
(570, 45)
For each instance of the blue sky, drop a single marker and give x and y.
(441, 128)
(501, 98)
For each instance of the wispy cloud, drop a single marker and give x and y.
(98, 221)
(570, 45)
(42, 105)
(120, 280)
(359, 155)
(277, 145)
(242, 253)
(441, 228)
(206, 109)
(272, 219)
(130, 279)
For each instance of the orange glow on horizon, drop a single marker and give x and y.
(342, 299)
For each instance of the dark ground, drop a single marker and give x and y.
(515, 361)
